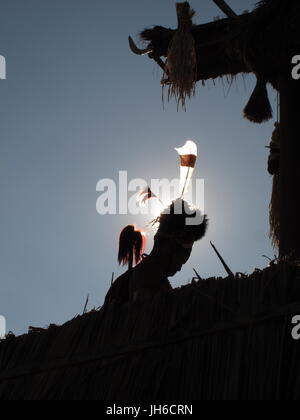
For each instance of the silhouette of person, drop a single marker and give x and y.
(173, 246)
(131, 247)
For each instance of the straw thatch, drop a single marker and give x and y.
(215, 339)
(275, 212)
(274, 169)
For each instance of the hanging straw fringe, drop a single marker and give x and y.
(274, 212)
(258, 109)
(182, 60)
(274, 168)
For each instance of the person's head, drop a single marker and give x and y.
(180, 227)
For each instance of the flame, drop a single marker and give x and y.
(190, 148)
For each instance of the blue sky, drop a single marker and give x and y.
(77, 107)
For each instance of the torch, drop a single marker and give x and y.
(188, 157)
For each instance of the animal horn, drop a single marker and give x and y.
(137, 50)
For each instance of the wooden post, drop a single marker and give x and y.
(290, 165)
(226, 9)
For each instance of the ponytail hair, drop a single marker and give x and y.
(131, 247)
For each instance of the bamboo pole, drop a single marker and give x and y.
(227, 269)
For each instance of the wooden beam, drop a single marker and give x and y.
(211, 41)
(226, 9)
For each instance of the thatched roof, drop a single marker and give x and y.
(259, 42)
(215, 339)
